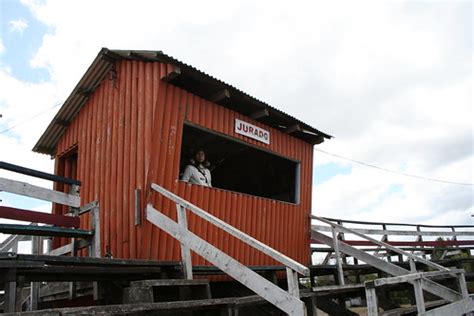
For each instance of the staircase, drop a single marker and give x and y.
(457, 301)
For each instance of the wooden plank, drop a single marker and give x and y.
(414, 276)
(296, 266)
(37, 174)
(394, 249)
(388, 267)
(457, 308)
(293, 284)
(398, 232)
(22, 188)
(44, 231)
(38, 217)
(88, 207)
(67, 248)
(185, 252)
(388, 224)
(138, 208)
(340, 272)
(261, 286)
(12, 242)
(371, 297)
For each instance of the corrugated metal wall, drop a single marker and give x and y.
(129, 135)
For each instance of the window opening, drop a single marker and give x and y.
(239, 167)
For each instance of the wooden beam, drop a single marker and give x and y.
(220, 95)
(37, 192)
(317, 140)
(37, 174)
(259, 114)
(172, 74)
(38, 217)
(293, 128)
(44, 231)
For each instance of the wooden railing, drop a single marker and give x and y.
(56, 225)
(288, 302)
(340, 245)
(411, 238)
(460, 307)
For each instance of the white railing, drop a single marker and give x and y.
(288, 302)
(388, 267)
(463, 305)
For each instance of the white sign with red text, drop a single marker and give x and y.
(252, 131)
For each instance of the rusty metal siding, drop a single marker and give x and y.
(129, 134)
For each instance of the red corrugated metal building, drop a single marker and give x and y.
(135, 117)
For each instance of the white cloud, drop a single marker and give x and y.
(391, 80)
(19, 25)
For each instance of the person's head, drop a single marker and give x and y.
(199, 156)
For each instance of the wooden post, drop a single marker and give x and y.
(342, 238)
(95, 244)
(10, 296)
(335, 241)
(420, 300)
(74, 190)
(36, 249)
(185, 252)
(462, 285)
(371, 297)
(293, 286)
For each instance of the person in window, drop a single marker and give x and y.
(197, 171)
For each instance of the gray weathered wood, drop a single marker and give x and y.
(337, 254)
(185, 252)
(88, 207)
(12, 241)
(267, 290)
(293, 284)
(420, 300)
(22, 188)
(414, 276)
(461, 307)
(371, 297)
(377, 242)
(388, 267)
(398, 232)
(287, 261)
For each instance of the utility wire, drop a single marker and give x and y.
(392, 171)
(29, 118)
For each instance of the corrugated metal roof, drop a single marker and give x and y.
(190, 79)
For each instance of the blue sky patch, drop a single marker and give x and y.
(322, 173)
(20, 46)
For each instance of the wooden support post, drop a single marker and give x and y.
(420, 300)
(74, 190)
(293, 285)
(342, 238)
(95, 250)
(371, 297)
(335, 241)
(36, 249)
(10, 296)
(185, 251)
(462, 285)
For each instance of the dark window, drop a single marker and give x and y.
(239, 167)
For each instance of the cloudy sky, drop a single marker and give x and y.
(391, 80)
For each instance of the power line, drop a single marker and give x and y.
(29, 118)
(392, 171)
